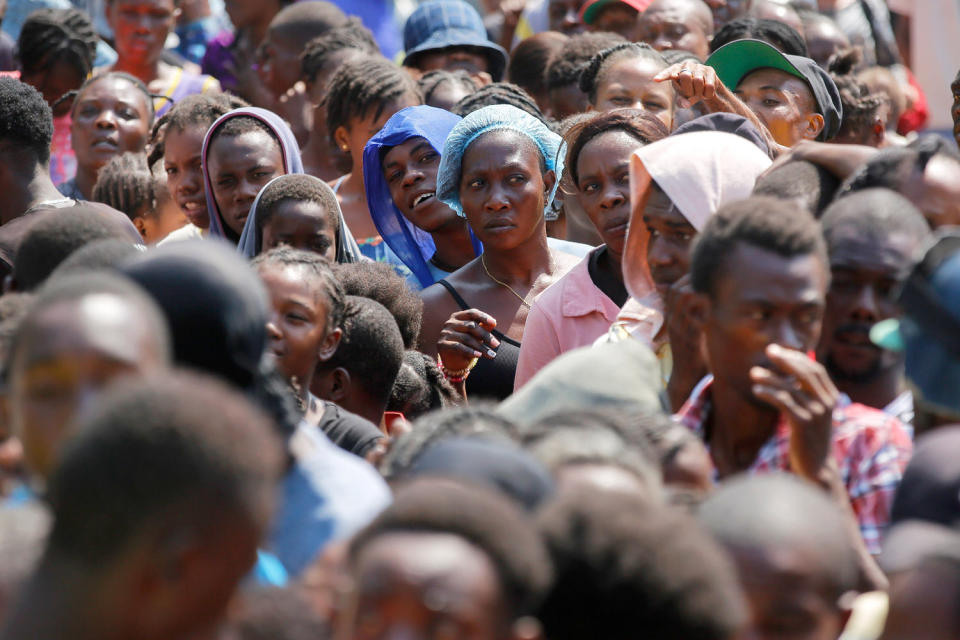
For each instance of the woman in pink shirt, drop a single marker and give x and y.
(580, 307)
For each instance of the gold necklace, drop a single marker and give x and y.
(522, 300)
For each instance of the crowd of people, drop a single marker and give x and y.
(492, 320)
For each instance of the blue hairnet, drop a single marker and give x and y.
(495, 118)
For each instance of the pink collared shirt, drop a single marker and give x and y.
(570, 313)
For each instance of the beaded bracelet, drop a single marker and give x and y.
(456, 377)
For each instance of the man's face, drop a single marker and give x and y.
(761, 298)
(473, 60)
(784, 103)
(668, 247)
(865, 272)
(674, 24)
(564, 16)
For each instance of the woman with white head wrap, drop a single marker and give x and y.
(500, 169)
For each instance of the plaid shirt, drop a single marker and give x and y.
(871, 449)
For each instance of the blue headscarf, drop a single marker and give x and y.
(412, 245)
(497, 117)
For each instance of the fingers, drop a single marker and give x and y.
(809, 373)
(467, 333)
(483, 319)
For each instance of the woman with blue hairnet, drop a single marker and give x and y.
(500, 170)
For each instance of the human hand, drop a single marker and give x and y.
(465, 336)
(693, 82)
(803, 392)
(512, 10)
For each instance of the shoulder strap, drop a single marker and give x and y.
(453, 292)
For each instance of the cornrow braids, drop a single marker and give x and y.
(52, 35)
(592, 75)
(318, 273)
(127, 184)
(433, 80)
(642, 126)
(135, 81)
(352, 35)
(198, 109)
(568, 63)
(365, 86)
(499, 93)
(860, 107)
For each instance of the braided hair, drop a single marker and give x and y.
(199, 109)
(860, 107)
(499, 93)
(576, 53)
(363, 87)
(433, 80)
(53, 35)
(592, 75)
(352, 35)
(127, 184)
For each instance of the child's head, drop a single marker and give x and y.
(566, 65)
(128, 185)
(420, 387)
(378, 281)
(443, 89)
(307, 302)
(298, 211)
(361, 98)
(56, 50)
(622, 77)
(243, 155)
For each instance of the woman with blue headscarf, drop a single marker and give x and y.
(500, 170)
(400, 166)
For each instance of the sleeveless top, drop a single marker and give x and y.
(490, 378)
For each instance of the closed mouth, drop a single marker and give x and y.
(104, 143)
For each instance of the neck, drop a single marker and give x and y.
(611, 264)
(318, 155)
(366, 407)
(453, 243)
(37, 188)
(86, 179)
(738, 428)
(523, 264)
(61, 601)
(146, 71)
(876, 393)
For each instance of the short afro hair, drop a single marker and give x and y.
(801, 181)
(778, 226)
(101, 255)
(26, 122)
(486, 520)
(874, 215)
(299, 187)
(530, 60)
(371, 348)
(572, 58)
(239, 125)
(52, 239)
(773, 32)
(378, 281)
(152, 453)
(316, 270)
(624, 565)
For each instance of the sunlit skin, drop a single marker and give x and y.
(671, 236)
(779, 11)
(156, 224)
(298, 330)
(140, 28)
(424, 585)
(182, 164)
(824, 39)
(72, 351)
(677, 24)
(788, 597)
(279, 64)
(410, 169)
(603, 167)
(55, 81)
(629, 84)
(353, 138)
(564, 16)
(784, 103)
(300, 224)
(239, 167)
(865, 273)
(110, 117)
(446, 95)
(725, 11)
(936, 192)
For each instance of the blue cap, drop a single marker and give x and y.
(438, 24)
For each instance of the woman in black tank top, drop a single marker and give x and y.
(499, 169)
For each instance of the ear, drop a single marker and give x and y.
(878, 132)
(815, 124)
(342, 138)
(141, 224)
(329, 345)
(698, 307)
(549, 179)
(332, 385)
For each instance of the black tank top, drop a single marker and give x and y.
(490, 378)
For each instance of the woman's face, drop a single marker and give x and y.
(239, 167)
(410, 170)
(301, 224)
(355, 136)
(603, 167)
(181, 161)
(110, 117)
(503, 189)
(140, 28)
(629, 84)
(54, 81)
(297, 327)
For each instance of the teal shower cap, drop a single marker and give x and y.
(495, 118)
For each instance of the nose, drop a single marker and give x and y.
(273, 328)
(659, 252)
(864, 307)
(412, 177)
(106, 119)
(189, 182)
(497, 200)
(662, 43)
(785, 335)
(248, 191)
(612, 198)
